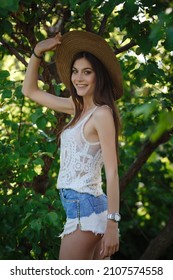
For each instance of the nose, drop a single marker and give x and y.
(79, 76)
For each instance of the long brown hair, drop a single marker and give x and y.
(103, 92)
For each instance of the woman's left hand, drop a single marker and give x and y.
(48, 44)
(110, 240)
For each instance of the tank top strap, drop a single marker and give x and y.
(86, 118)
(89, 115)
(93, 110)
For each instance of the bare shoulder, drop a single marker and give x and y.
(104, 124)
(103, 114)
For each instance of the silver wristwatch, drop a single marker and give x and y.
(116, 217)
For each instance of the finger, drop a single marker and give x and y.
(58, 35)
(101, 247)
(117, 248)
(105, 253)
(114, 250)
(110, 251)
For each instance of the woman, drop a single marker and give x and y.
(88, 68)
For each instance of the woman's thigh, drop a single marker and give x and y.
(79, 245)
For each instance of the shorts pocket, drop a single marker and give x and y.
(68, 195)
(71, 205)
(99, 203)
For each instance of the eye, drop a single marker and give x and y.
(74, 71)
(87, 72)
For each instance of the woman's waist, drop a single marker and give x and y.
(93, 189)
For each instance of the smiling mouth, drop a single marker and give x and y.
(81, 86)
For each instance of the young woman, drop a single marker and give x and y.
(88, 68)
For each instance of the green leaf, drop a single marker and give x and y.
(36, 115)
(23, 161)
(41, 122)
(9, 5)
(145, 43)
(51, 147)
(38, 161)
(97, 3)
(3, 14)
(18, 92)
(7, 27)
(73, 4)
(52, 218)
(165, 123)
(131, 7)
(108, 7)
(157, 32)
(83, 7)
(36, 225)
(153, 73)
(4, 74)
(146, 109)
(26, 218)
(7, 93)
(57, 88)
(169, 39)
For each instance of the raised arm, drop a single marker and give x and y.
(30, 84)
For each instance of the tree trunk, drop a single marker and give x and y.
(161, 242)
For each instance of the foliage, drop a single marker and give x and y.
(30, 224)
(141, 34)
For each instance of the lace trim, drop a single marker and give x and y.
(81, 160)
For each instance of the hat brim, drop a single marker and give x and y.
(74, 42)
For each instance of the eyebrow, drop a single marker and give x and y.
(86, 68)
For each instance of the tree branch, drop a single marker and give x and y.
(161, 242)
(21, 47)
(125, 48)
(43, 16)
(103, 25)
(88, 20)
(143, 156)
(13, 51)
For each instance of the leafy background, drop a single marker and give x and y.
(141, 34)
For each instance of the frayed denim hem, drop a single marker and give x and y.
(95, 223)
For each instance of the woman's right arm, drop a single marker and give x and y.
(30, 84)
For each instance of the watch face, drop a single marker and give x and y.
(114, 216)
(117, 217)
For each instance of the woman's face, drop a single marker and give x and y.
(83, 77)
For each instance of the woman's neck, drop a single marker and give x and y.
(88, 105)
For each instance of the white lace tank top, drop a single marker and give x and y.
(80, 160)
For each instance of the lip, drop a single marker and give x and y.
(81, 86)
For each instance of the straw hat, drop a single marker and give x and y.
(74, 42)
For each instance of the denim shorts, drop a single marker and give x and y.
(83, 210)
